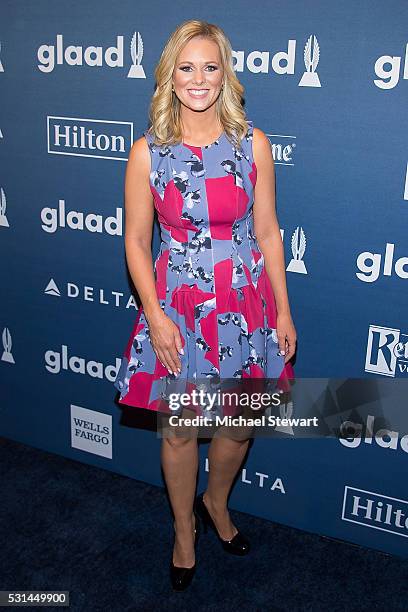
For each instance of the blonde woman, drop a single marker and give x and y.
(214, 302)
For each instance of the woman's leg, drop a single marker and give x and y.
(179, 459)
(225, 457)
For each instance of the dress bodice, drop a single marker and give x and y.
(204, 200)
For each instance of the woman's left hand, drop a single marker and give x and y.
(286, 333)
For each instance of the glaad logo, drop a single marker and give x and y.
(393, 74)
(56, 361)
(91, 294)
(53, 218)
(76, 55)
(311, 55)
(1, 65)
(375, 510)
(282, 152)
(136, 51)
(386, 348)
(385, 438)
(89, 137)
(369, 265)
(91, 431)
(3, 205)
(6, 338)
(298, 245)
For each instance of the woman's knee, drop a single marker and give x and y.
(241, 435)
(178, 440)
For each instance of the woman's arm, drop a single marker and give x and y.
(139, 216)
(269, 238)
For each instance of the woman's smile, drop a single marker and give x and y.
(198, 93)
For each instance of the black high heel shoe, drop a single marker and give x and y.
(238, 545)
(181, 577)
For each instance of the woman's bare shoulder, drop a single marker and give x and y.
(259, 137)
(139, 153)
(140, 147)
(261, 144)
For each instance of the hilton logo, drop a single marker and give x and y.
(376, 511)
(89, 137)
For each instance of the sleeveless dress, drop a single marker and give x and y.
(209, 274)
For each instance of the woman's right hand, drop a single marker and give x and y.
(166, 341)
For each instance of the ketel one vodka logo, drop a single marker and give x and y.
(76, 55)
(6, 338)
(311, 56)
(282, 151)
(386, 348)
(3, 204)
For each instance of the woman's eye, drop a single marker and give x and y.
(184, 68)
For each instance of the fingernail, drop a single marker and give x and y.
(182, 351)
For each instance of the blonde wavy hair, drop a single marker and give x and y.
(164, 110)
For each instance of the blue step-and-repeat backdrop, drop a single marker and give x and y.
(328, 83)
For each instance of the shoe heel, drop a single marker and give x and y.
(238, 545)
(181, 577)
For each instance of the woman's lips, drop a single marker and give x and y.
(197, 96)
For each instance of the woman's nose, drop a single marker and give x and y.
(199, 78)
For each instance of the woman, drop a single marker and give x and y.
(214, 303)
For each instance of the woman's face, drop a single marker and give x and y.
(198, 74)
